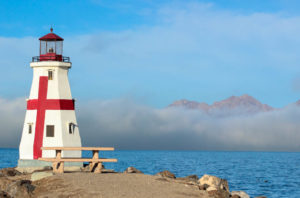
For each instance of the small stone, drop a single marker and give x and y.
(4, 194)
(190, 178)
(203, 187)
(20, 189)
(132, 170)
(167, 174)
(9, 172)
(241, 194)
(219, 193)
(40, 175)
(213, 181)
(211, 188)
(4, 183)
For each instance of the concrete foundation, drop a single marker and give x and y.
(39, 163)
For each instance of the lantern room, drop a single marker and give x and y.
(51, 47)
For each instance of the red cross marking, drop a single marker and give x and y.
(41, 105)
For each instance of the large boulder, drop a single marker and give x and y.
(240, 194)
(166, 174)
(214, 183)
(132, 170)
(40, 175)
(8, 172)
(20, 189)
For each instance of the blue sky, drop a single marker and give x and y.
(156, 52)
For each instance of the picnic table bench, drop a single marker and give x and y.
(95, 163)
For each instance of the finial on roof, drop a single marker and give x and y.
(51, 29)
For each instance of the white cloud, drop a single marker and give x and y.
(127, 125)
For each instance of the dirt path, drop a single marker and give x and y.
(114, 185)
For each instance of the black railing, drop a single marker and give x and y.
(50, 58)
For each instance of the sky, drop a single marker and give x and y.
(133, 58)
(157, 52)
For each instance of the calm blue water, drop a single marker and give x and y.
(273, 174)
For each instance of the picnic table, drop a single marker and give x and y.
(95, 163)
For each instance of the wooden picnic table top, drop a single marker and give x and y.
(80, 148)
(78, 160)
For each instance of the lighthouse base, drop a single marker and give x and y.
(38, 163)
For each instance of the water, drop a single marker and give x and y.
(273, 174)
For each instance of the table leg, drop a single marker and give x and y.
(58, 166)
(61, 167)
(93, 164)
(98, 167)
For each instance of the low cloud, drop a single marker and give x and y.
(127, 125)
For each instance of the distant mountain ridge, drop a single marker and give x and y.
(244, 104)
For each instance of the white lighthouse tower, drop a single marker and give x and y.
(50, 118)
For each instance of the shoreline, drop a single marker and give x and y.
(41, 182)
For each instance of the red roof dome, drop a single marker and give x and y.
(51, 37)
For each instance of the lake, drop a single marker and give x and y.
(273, 174)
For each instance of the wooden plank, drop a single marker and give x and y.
(80, 148)
(77, 160)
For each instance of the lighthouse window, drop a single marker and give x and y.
(50, 75)
(29, 128)
(50, 131)
(71, 128)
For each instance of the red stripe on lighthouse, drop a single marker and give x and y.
(41, 105)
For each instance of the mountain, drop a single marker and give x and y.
(244, 104)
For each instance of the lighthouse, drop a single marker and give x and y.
(50, 119)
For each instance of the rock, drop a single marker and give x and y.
(20, 189)
(214, 182)
(9, 172)
(4, 194)
(167, 174)
(218, 193)
(190, 178)
(132, 170)
(40, 175)
(211, 188)
(203, 187)
(241, 194)
(235, 196)
(261, 197)
(4, 183)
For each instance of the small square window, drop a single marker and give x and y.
(50, 131)
(50, 75)
(30, 128)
